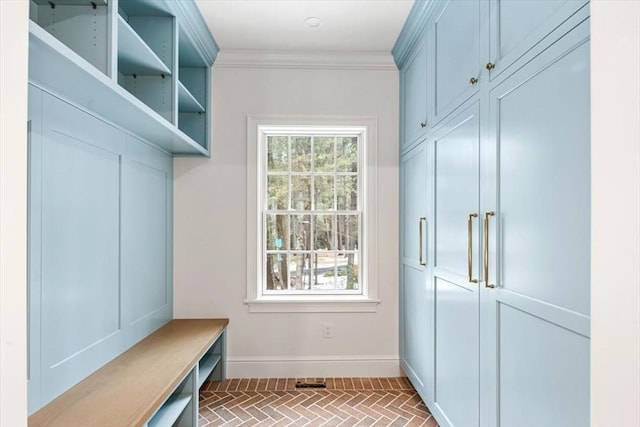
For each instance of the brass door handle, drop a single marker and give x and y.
(486, 249)
(470, 247)
(423, 125)
(473, 80)
(421, 221)
(490, 66)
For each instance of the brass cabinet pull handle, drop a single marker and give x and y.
(486, 249)
(473, 80)
(420, 222)
(423, 125)
(470, 247)
(490, 66)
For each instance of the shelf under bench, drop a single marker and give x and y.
(139, 383)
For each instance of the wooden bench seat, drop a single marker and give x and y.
(131, 388)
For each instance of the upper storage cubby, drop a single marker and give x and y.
(143, 65)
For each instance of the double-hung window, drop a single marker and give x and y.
(308, 202)
(311, 212)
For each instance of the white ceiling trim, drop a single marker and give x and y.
(244, 58)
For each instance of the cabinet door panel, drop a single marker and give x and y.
(416, 346)
(456, 307)
(414, 96)
(517, 26)
(456, 34)
(536, 172)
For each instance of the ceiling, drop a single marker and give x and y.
(279, 25)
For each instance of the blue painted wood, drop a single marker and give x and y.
(100, 245)
(455, 37)
(538, 181)
(456, 328)
(413, 103)
(416, 341)
(35, 254)
(522, 27)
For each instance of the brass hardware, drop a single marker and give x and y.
(490, 66)
(473, 80)
(470, 247)
(486, 249)
(423, 125)
(420, 222)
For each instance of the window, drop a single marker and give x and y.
(311, 214)
(311, 211)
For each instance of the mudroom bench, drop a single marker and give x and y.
(154, 383)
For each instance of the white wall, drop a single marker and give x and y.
(615, 242)
(210, 227)
(13, 212)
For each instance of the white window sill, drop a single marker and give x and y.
(312, 305)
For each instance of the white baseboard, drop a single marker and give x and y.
(313, 366)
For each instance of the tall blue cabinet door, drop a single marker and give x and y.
(416, 344)
(522, 28)
(535, 310)
(455, 35)
(77, 200)
(456, 270)
(413, 99)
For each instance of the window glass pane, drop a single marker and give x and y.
(277, 153)
(301, 154)
(348, 271)
(299, 271)
(347, 193)
(324, 232)
(276, 233)
(301, 192)
(323, 147)
(347, 227)
(325, 272)
(277, 192)
(277, 272)
(323, 190)
(347, 154)
(300, 229)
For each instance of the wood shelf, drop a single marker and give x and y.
(60, 71)
(206, 367)
(171, 410)
(187, 103)
(134, 55)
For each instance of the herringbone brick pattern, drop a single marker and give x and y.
(345, 402)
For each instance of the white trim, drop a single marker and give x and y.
(369, 252)
(315, 305)
(247, 58)
(313, 366)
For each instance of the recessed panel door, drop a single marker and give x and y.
(456, 270)
(413, 96)
(536, 296)
(416, 340)
(455, 34)
(517, 27)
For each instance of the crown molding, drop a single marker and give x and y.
(412, 30)
(241, 58)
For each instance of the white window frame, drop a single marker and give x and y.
(366, 300)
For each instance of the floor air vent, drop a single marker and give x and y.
(319, 384)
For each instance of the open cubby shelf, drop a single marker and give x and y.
(122, 61)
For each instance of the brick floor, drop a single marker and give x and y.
(345, 402)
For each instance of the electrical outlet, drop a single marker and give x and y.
(327, 330)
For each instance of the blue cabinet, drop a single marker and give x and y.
(416, 260)
(454, 33)
(413, 102)
(508, 292)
